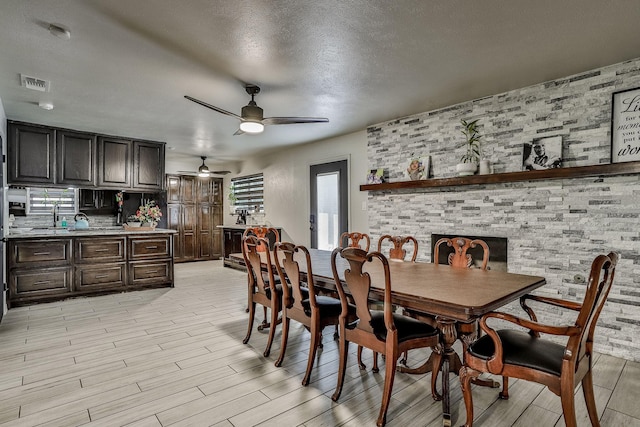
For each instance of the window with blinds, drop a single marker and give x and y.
(40, 201)
(249, 191)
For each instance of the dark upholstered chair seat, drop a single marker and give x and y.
(329, 307)
(522, 349)
(408, 328)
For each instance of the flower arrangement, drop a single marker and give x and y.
(119, 199)
(148, 212)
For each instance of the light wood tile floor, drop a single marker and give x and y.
(174, 357)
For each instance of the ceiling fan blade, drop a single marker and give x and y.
(293, 120)
(220, 172)
(238, 132)
(212, 107)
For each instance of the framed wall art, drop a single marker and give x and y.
(377, 176)
(542, 153)
(625, 126)
(418, 168)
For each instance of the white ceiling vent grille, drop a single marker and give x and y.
(34, 83)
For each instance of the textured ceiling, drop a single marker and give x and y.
(128, 64)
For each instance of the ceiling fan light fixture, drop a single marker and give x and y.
(203, 174)
(250, 126)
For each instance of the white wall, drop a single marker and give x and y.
(286, 183)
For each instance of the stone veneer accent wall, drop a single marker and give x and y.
(554, 227)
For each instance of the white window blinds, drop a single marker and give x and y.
(249, 191)
(40, 201)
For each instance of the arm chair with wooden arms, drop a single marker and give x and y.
(302, 303)
(518, 354)
(262, 289)
(382, 331)
(352, 240)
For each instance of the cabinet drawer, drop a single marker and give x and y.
(150, 247)
(104, 276)
(150, 272)
(31, 252)
(100, 250)
(40, 282)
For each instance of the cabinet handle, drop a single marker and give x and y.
(42, 253)
(43, 282)
(152, 247)
(101, 276)
(101, 250)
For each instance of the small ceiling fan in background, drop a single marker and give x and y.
(204, 171)
(252, 119)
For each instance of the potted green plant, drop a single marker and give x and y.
(232, 199)
(469, 161)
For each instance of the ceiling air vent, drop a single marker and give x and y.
(34, 83)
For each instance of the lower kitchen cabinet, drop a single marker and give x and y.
(46, 269)
(40, 284)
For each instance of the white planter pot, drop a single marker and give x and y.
(466, 169)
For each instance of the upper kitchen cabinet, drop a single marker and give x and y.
(75, 158)
(114, 164)
(31, 151)
(47, 156)
(148, 165)
(125, 164)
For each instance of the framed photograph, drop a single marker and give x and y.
(542, 153)
(377, 176)
(418, 168)
(625, 126)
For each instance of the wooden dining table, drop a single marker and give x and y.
(455, 297)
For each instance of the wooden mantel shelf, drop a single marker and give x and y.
(609, 169)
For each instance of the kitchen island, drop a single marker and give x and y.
(55, 263)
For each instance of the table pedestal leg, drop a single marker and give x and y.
(450, 361)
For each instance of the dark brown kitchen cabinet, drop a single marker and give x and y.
(173, 189)
(148, 165)
(192, 213)
(75, 158)
(100, 263)
(48, 156)
(39, 270)
(188, 232)
(114, 166)
(31, 151)
(97, 202)
(50, 268)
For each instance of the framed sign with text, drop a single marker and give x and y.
(625, 126)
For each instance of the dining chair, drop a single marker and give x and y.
(302, 303)
(262, 232)
(262, 287)
(382, 331)
(352, 240)
(397, 252)
(459, 258)
(514, 353)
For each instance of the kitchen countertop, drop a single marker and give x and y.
(28, 233)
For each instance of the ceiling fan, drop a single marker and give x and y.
(204, 171)
(252, 119)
